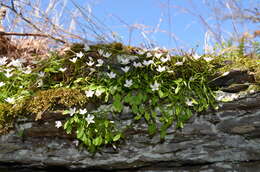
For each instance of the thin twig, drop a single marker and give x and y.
(30, 23)
(31, 34)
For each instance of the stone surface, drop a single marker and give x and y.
(233, 77)
(224, 140)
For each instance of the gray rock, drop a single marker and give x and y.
(224, 140)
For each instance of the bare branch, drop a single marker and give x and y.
(12, 8)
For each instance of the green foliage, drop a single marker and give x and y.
(158, 87)
(93, 129)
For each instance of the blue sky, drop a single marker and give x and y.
(166, 23)
(183, 19)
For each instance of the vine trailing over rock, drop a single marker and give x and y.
(92, 85)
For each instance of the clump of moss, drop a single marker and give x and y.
(54, 99)
(8, 114)
(6, 120)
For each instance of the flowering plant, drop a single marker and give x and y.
(161, 88)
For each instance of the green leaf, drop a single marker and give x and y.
(155, 100)
(128, 98)
(76, 119)
(138, 99)
(65, 112)
(180, 124)
(117, 137)
(107, 97)
(177, 110)
(147, 116)
(177, 89)
(141, 109)
(135, 109)
(68, 127)
(163, 133)
(117, 104)
(154, 114)
(138, 117)
(86, 140)
(78, 80)
(152, 128)
(178, 81)
(80, 132)
(97, 141)
(106, 123)
(162, 94)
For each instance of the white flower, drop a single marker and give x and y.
(79, 55)
(28, 70)
(16, 63)
(58, 124)
(147, 62)
(82, 111)
(251, 91)
(76, 142)
(128, 83)
(41, 74)
(125, 69)
(132, 57)
(90, 63)
(72, 111)
(137, 64)
(98, 92)
(161, 68)
(100, 52)
(10, 100)
(141, 52)
(89, 93)
(3, 61)
(155, 86)
(158, 55)
(90, 119)
(100, 62)
(90, 58)
(149, 54)
(73, 60)
(62, 69)
(165, 59)
(107, 54)
(8, 75)
(40, 83)
(208, 59)
(189, 103)
(234, 96)
(124, 61)
(8, 70)
(2, 84)
(111, 75)
(87, 48)
(196, 56)
(179, 63)
(226, 73)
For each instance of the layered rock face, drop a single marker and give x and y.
(221, 140)
(227, 139)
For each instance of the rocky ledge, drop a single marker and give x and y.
(227, 139)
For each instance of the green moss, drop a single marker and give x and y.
(5, 119)
(52, 99)
(8, 114)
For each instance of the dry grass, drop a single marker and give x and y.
(25, 48)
